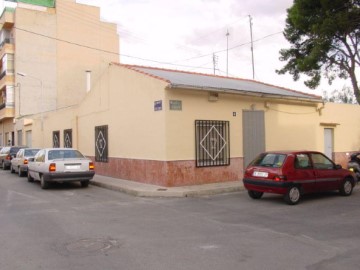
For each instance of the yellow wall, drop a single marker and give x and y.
(344, 119)
(124, 100)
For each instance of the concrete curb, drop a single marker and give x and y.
(146, 190)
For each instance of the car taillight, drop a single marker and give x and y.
(278, 178)
(8, 157)
(52, 167)
(26, 161)
(91, 166)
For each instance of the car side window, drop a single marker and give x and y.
(321, 162)
(302, 161)
(40, 157)
(18, 155)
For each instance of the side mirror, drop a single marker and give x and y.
(338, 166)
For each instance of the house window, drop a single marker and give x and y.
(101, 143)
(56, 139)
(212, 143)
(68, 138)
(19, 137)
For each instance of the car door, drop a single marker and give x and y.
(327, 175)
(304, 173)
(17, 159)
(38, 164)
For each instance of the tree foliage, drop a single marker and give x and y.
(324, 37)
(340, 96)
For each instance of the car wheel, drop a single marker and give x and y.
(346, 187)
(292, 195)
(43, 183)
(255, 194)
(85, 183)
(20, 172)
(12, 169)
(30, 179)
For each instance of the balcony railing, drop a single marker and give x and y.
(6, 72)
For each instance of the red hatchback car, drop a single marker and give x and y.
(295, 173)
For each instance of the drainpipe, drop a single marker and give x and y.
(88, 80)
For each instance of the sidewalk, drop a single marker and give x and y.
(146, 190)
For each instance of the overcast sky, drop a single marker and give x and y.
(185, 34)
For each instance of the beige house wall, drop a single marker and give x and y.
(124, 100)
(158, 147)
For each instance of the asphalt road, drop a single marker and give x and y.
(74, 228)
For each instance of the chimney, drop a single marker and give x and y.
(88, 80)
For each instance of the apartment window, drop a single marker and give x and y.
(68, 138)
(101, 143)
(56, 139)
(19, 137)
(212, 143)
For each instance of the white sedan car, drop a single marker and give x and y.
(20, 161)
(60, 165)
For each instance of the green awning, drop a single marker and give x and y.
(44, 3)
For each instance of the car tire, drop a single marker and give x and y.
(346, 187)
(255, 194)
(12, 169)
(85, 183)
(292, 195)
(2, 165)
(43, 183)
(20, 172)
(30, 179)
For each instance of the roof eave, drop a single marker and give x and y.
(243, 93)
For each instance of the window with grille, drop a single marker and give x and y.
(56, 139)
(68, 138)
(101, 143)
(212, 143)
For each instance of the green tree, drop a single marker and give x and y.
(340, 96)
(324, 37)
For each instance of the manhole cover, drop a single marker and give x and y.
(85, 246)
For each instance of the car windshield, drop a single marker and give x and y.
(269, 160)
(14, 150)
(30, 152)
(63, 154)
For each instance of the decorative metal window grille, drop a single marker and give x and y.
(68, 138)
(101, 143)
(56, 139)
(212, 143)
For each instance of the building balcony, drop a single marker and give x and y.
(6, 47)
(6, 112)
(6, 79)
(7, 19)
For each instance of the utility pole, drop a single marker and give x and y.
(252, 47)
(227, 52)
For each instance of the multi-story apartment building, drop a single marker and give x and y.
(48, 49)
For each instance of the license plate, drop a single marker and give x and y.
(72, 167)
(260, 174)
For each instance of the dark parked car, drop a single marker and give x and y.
(7, 154)
(295, 173)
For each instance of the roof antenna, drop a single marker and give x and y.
(215, 61)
